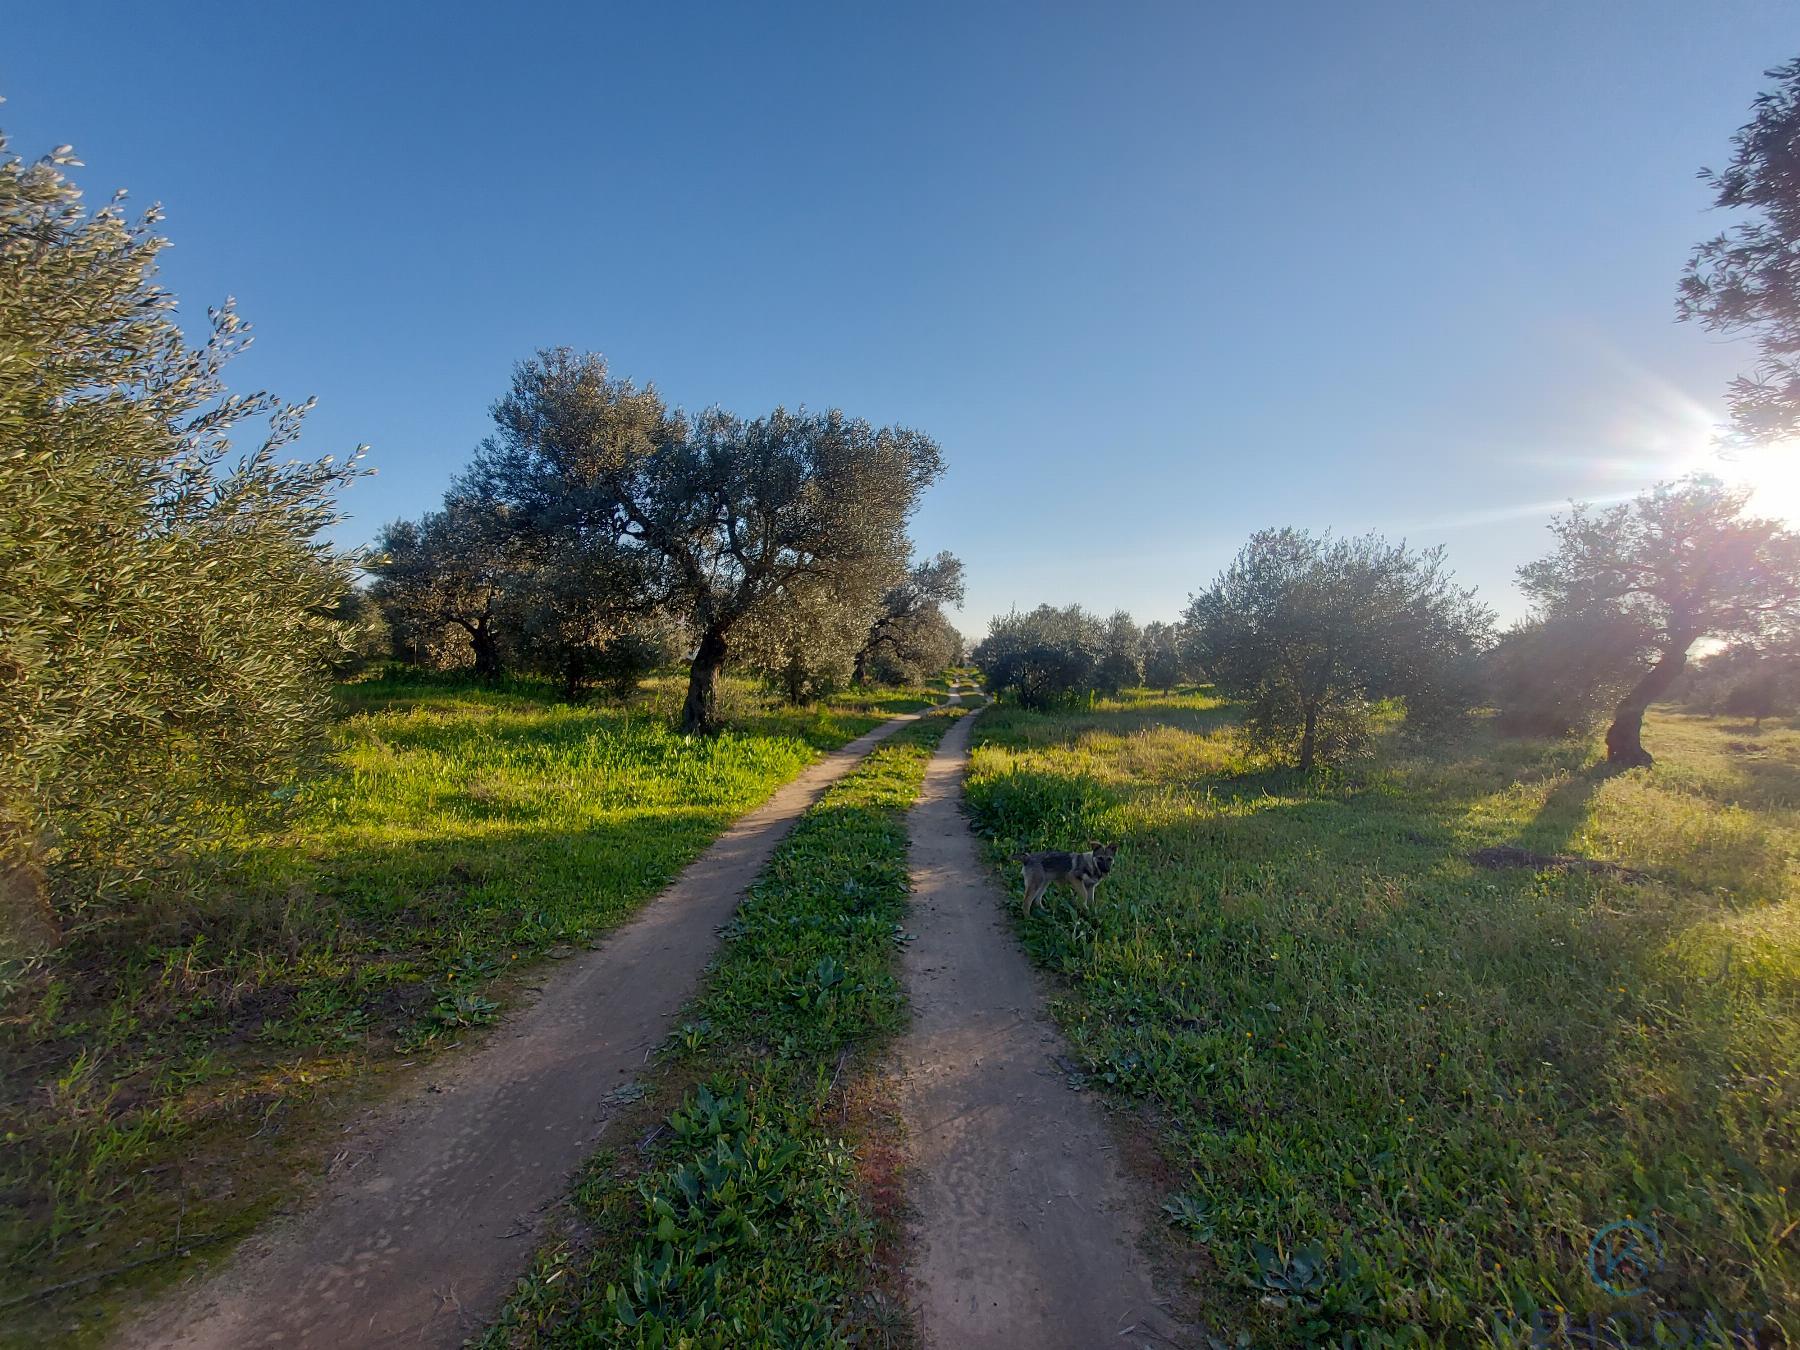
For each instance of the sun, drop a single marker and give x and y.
(1772, 472)
(1661, 433)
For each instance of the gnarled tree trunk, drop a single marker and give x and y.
(1625, 737)
(487, 650)
(700, 712)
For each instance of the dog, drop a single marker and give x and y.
(1078, 871)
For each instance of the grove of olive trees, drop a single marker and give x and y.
(598, 529)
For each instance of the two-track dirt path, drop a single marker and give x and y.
(1026, 1230)
(419, 1238)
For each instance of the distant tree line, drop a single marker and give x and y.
(1313, 634)
(599, 534)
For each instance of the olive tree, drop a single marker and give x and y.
(1743, 676)
(168, 610)
(1560, 671)
(1121, 662)
(908, 627)
(446, 570)
(1309, 630)
(1763, 694)
(1745, 280)
(722, 513)
(1164, 665)
(365, 636)
(572, 608)
(934, 644)
(501, 587)
(1683, 562)
(804, 639)
(1043, 658)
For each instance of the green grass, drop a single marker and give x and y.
(1405, 1093)
(756, 1213)
(158, 1076)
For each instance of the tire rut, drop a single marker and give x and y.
(1026, 1229)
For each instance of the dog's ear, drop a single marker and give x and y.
(1093, 847)
(1109, 849)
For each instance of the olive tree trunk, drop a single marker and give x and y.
(574, 672)
(700, 712)
(793, 681)
(1309, 738)
(487, 650)
(1625, 737)
(1309, 735)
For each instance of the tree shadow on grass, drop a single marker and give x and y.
(1564, 812)
(1765, 779)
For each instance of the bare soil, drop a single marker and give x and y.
(1027, 1227)
(436, 1203)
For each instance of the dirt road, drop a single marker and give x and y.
(423, 1228)
(1026, 1230)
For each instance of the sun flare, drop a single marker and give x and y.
(1773, 474)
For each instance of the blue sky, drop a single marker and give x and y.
(1154, 275)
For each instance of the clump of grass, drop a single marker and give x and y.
(1408, 1093)
(156, 1075)
(748, 1219)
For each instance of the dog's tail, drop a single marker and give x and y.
(1020, 857)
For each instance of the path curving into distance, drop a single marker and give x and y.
(1026, 1229)
(419, 1239)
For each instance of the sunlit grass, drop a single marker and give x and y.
(1447, 1078)
(157, 1073)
